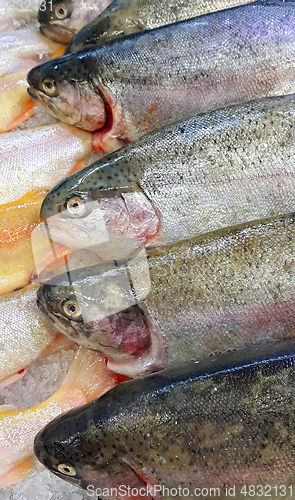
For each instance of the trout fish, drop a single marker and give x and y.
(87, 379)
(143, 81)
(131, 16)
(218, 169)
(223, 425)
(217, 292)
(61, 19)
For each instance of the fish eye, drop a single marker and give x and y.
(48, 86)
(61, 11)
(66, 469)
(72, 309)
(75, 206)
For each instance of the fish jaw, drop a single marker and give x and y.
(57, 31)
(119, 329)
(50, 24)
(74, 102)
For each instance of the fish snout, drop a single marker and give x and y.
(40, 306)
(33, 78)
(44, 298)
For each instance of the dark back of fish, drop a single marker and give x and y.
(123, 17)
(225, 422)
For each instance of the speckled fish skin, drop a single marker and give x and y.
(61, 19)
(38, 158)
(131, 16)
(225, 290)
(24, 331)
(222, 422)
(156, 77)
(215, 170)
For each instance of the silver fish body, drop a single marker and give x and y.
(225, 290)
(130, 16)
(215, 170)
(221, 428)
(140, 82)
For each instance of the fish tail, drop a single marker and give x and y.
(88, 378)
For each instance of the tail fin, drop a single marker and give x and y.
(87, 379)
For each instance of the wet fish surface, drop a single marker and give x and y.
(61, 19)
(221, 291)
(131, 16)
(39, 157)
(143, 81)
(224, 422)
(22, 49)
(215, 170)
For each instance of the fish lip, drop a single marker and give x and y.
(31, 94)
(57, 32)
(40, 306)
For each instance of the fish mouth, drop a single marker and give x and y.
(31, 94)
(57, 32)
(154, 359)
(41, 307)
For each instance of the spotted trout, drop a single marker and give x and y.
(222, 425)
(131, 16)
(61, 19)
(215, 170)
(217, 292)
(143, 81)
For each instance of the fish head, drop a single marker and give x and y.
(64, 87)
(99, 307)
(89, 447)
(55, 18)
(59, 459)
(93, 33)
(101, 208)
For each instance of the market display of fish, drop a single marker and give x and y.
(135, 84)
(87, 379)
(161, 264)
(223, 424)
(215, 170)
(131, 16)
(216, 292)
(61, 19)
